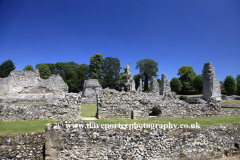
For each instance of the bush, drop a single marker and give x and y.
(28, 68)
(5, 68)
(183, 97)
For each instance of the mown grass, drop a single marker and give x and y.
(230, 108)
(197, 95)
(237, 102)
(17, 127)
(205, 121)
(38, 103)
(88, 110)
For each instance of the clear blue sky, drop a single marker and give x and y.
(171, 32)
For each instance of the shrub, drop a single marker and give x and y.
(183, 97)
(176, 85)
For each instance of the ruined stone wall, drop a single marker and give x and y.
(28, 86)
(82, 142)
(113, 104)
(65, 108)
(211, 85)
(165, 85)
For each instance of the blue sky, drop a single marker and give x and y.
(171, 32)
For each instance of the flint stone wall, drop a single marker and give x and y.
(90, 88)
(96, 143)
(233, 97)
(165, 85)
(28, 86)
(154, 85)
(136, 105)
(211, 85)
(65, 108)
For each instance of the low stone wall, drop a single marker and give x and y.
(229, 106)
(113, 104)
(233, 97)
(23, 146)
(65, 108)
(95, 143)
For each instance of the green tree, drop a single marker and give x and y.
(148, 68)
(82, 74)
(230, 85)
(28, 68)
(198, 83)
(221, 84)
(44, 70)
(110, 69)
(159, 84)
(186, 74)
(123, 78)
(136, 78)
(6, 67)
(95, 70)
(238, 84)
(176, 85)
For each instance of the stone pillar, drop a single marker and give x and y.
(211, 85)
(154, 85)
(140, 85)
(130, 85)
(165, 85)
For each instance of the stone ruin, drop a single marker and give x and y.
(165, 85)
(130, 85)
(140, 85)
(29, 86)
(211, 85)
(90, 88)
(154, 85)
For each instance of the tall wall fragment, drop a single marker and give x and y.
(29, 85)
(154, 85)
(211, 85)
(165, 85)
(130, 82)
(140, 85)
(90, 87)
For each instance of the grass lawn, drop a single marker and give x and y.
(88, 110)
(39, 103)
(230, 108)
(205, 121)
(197, 95)
(237, 102)
(17, 127)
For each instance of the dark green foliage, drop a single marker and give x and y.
(148, 68)
(123, 78)
(238, 84)
(198, 83)
(82, 74)
(28, 68)
(110, 72)
(176, 85)
(159, 84)
(183, 97)
(6, 67)
(136, 78)
(96, 62)
(230, 85)
(44, 70)
(186, 74)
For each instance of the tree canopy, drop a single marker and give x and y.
(123, 78)
(147, 68)
(238, 84)
(95, 70)
(110, 72)
(198, 83)
(186, 74)
(176, 85)
(28, 68)
(44, 70)
(230, 85)
(6, 67)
